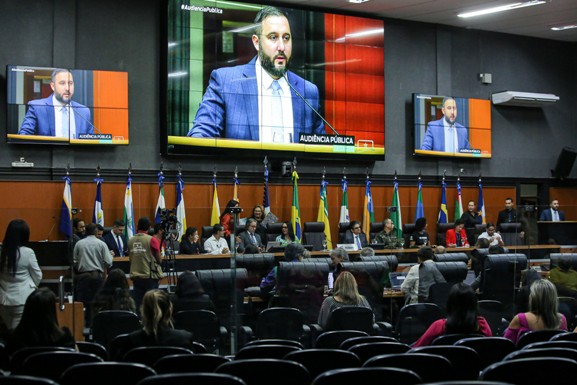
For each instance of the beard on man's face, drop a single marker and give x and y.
(268, 63)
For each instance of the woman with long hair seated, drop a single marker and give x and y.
(114, 294)
(346, 293)
(542, 314)
(157, 328)
(189, 294)
(39, 325)
(190, 242)
(462, 317)
(286, 236)
(227, 218)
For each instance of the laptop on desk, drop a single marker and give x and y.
(397, 279)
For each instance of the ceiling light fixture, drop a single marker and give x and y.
(564, 27)
(501, 8)
(357, 1)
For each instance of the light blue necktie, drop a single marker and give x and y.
(65, 122)
(276, 109)
(358, 242)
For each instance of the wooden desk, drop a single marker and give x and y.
(73, 318)
(564, 233)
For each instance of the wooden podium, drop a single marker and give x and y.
(73, 318)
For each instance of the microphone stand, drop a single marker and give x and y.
(234, 305)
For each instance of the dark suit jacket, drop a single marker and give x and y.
(110, 240)
(245, 238)
(350, 239)
(40, 120)
(547, 215)
(435, 136)
(229, 108)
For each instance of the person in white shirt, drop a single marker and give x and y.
(492, 236)
(216, 244)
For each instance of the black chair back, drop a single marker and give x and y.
(343, 228)
(313, 234)
(204, 326)
(453, 272)
(554, 259)
(363, 340)
(430, 367)
(280, 322)
(260, 371)
(273, 230)
(98, 373)
(148, 355)
(494, 313)
(523, 371)
(368, 376)
(111, 323)
(371, 279)
(489, 349)
(352, 318)
(391, 259)
(318, 361)
(264, 351)
(537, 336)
(415, 319)
(25, 380)
(19, 356)
(52, 364)
(189, 363)
(93, 348)
(192, 378)
(500, 277)
(442, 232)
(465, 361)
(375, 228)
(333, 339)
(369, 350)
(451, 257)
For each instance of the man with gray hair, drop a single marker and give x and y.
(57, 115)
(338, 256)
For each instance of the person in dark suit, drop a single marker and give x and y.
(250, 237)
(552, 214)
(57, 115)
(446, 134)
(509, 215)
(355, 236)
(231, 107)
(116, 240)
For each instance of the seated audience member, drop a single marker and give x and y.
(292, 253)
(492, 236)
(542, 314)
(421, 277)
(462, 317)
(527, 278)
(286, 235)
(190, 242)
(114, 294)
(419, 237)
(440, 249)
(157, 329)
(356, 236)
(457, 237)
(251, 249)
(189, 294)
(346, 293)
(306, 254)
(388, 237)
(564, 277)
(338, 256)
(39, 325)
(367, 252)
(492, 250)
(216, 244)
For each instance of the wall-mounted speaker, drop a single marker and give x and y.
(564, 163)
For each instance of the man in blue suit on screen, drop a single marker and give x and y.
(446, 134)
(57, 115)
(254, 101)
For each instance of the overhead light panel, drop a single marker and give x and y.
(501, 8)
(564, 27)
(357, 1)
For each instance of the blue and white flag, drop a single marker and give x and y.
(98, 214)
(161, 204)
(66, 210)
(180, 209)
(129, 228)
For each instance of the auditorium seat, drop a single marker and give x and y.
(391, 259)
(357, 318)
(98, 373)
(362, 340)
(334, 339)
(25, 380)
(148, 355)
(465, 360)
(257, 266)
(343, 228)
(261, 371)
(189, 363)
(408, 229)
(414, 319)
(52, 364)
(430, 367)
(453, 272)
(375, 228)
(510, 233)
(192, 378)
(532, 371)
(217, 283)
(451, 257)
(273, 230)
(500, 278)
(489, 349)
(204, 326)
(318, 361)
(442, 232)
(554, 257)
(369, 350)
(206, 233)
(282, 323)
(368, 376)
(533, 336)
(314, 234)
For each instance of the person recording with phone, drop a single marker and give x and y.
(58, 115)
(261, 100)
(446, 134)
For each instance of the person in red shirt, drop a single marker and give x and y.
(457, 237)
